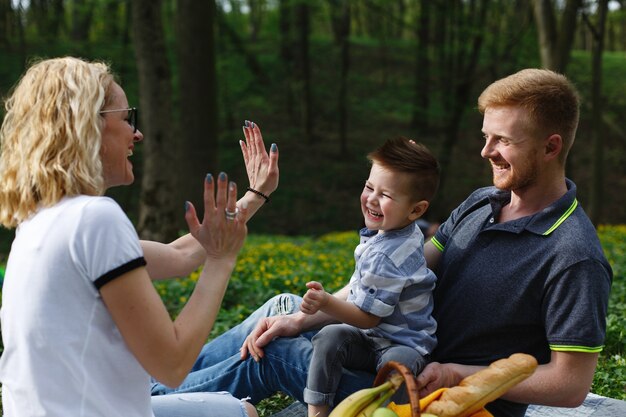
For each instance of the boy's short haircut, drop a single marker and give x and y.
(403, 155)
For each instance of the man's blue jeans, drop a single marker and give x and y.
(283, 368)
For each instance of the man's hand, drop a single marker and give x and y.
(265, 331)
(434, 376)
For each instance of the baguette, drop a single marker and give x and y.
(478, 389)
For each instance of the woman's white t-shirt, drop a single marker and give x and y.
(63, 354)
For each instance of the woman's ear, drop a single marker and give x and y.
(419, 209)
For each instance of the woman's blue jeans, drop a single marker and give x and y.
(283, 368)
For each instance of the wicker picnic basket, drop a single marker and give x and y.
(409, 382)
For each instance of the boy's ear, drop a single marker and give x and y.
(418, 210)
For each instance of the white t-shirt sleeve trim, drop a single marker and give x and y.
(121, 270)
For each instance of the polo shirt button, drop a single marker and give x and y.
(491, 220)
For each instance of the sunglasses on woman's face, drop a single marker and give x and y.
(132, 116)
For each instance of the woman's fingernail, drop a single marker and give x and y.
(186, 206)
(231, 186)
(252, 125)
(274, 148)
(241, 143)
(246, 123)
(209, 178)
(222, 176)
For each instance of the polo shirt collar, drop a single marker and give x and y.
(548, 219)
(404, 232)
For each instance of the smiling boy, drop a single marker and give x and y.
(386, 315)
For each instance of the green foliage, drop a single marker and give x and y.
(270, 265)
(610, 377)
(381, 99)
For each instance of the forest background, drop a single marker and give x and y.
(328, 81)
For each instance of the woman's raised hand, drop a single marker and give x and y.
(262, 168)
(223, 228)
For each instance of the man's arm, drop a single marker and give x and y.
(432, 255)
(563, 382)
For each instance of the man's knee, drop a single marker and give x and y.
(283, 304)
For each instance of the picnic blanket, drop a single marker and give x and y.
(593, 406)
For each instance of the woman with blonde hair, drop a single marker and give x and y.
(82, 325)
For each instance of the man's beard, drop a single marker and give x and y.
(517, 179)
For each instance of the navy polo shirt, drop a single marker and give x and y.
(531, 285)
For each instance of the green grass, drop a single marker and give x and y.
(610, 378)
(269, 265)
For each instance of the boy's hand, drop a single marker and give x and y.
(314, 299)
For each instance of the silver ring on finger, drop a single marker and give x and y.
(231, 215)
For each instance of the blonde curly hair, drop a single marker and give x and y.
(51, 136)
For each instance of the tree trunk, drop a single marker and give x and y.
(240, 46)
(421, 95)
(159, 213)
(198, 139)
(82, 14)
(340, 12)
(358, 19)
(256, 18)
(622, 23)
(555, 40)
(465, 73)
(462, 29)
(286, 54)
(508, 24)
(21, 32)
(48, 17)
(343, 87)
(6, 21)
(114, 20)
(597, 181)
(124, 36)
(304, 68)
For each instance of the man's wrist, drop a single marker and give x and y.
(456, 372)
(306, 322)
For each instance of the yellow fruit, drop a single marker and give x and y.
(356, 404)
(356, 401)
(402, 410)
